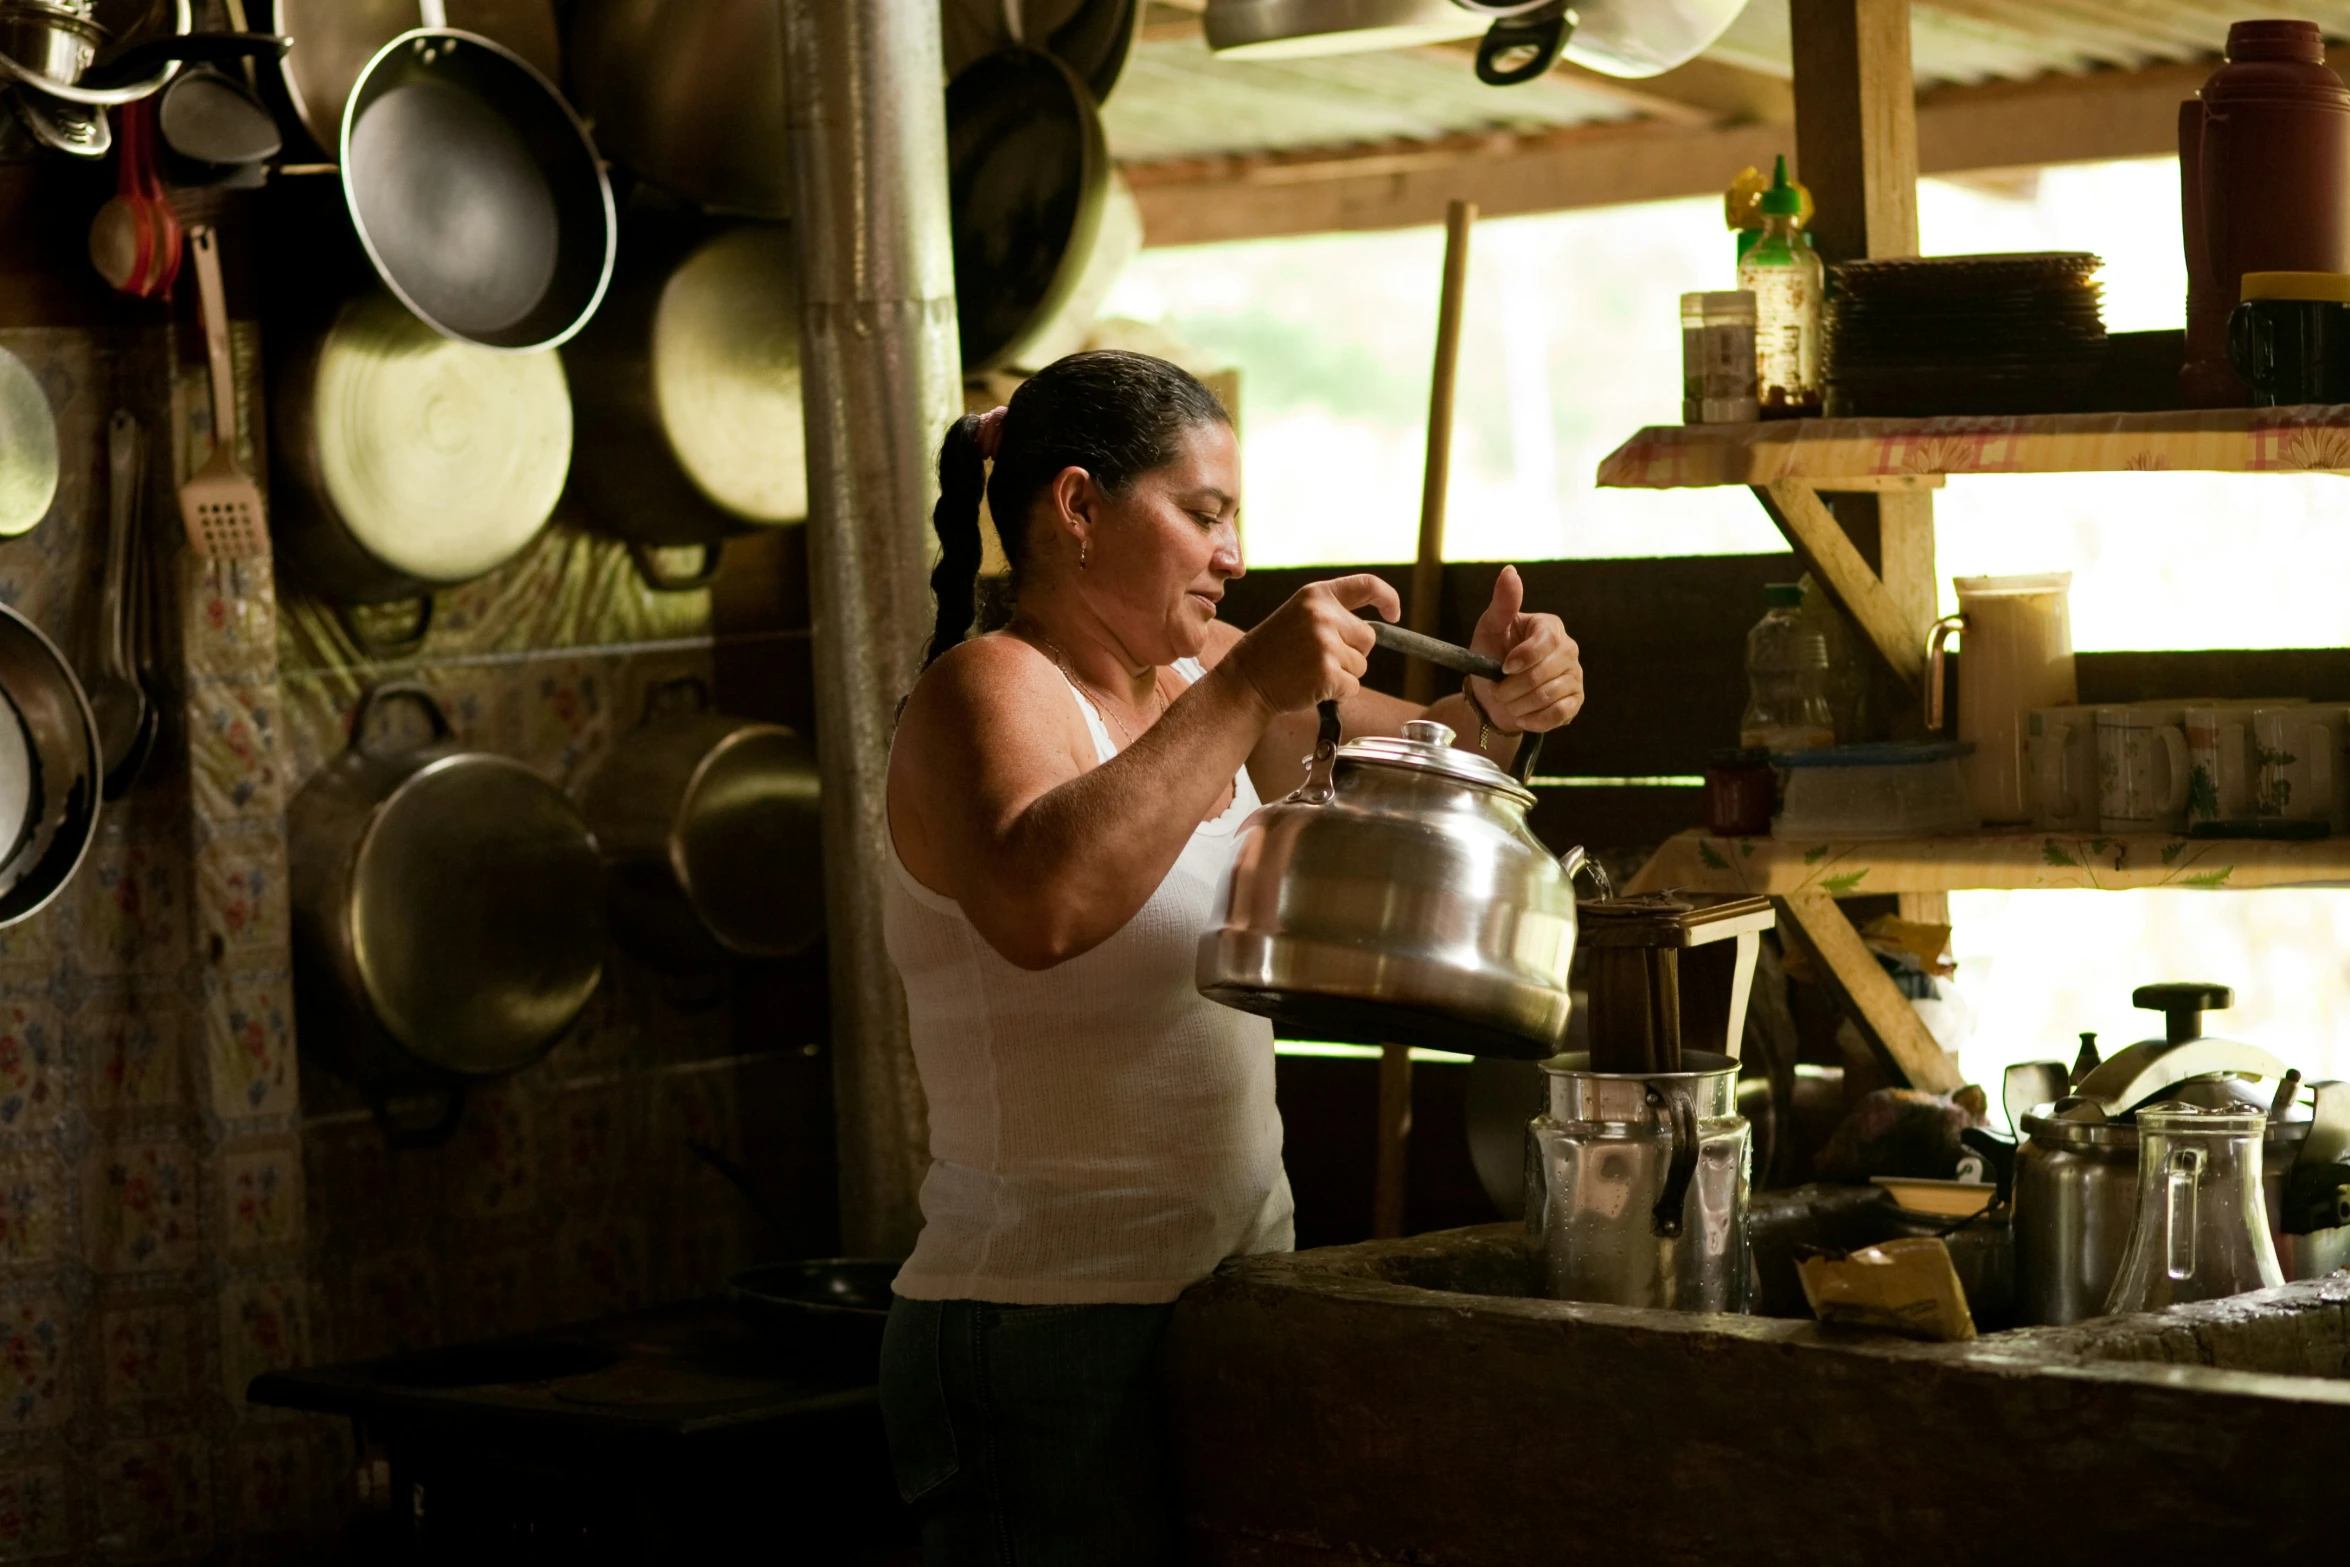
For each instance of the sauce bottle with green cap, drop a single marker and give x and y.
(1783, 273)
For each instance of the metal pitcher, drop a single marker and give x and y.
(1636, 1186)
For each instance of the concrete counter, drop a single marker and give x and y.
(1405, 1401)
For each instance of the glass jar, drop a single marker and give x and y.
(1717, 358)
(2202, 1226)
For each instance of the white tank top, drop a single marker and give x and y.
(1099, 1130)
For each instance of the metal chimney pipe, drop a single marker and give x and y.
(880, 366)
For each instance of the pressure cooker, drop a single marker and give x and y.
(2076, 1170)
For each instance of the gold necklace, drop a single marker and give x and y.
(1062, 659)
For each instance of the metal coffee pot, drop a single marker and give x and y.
(1636, 1186)
(2076, 1171)
(1398, 896)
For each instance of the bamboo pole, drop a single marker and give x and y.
(1422, 612)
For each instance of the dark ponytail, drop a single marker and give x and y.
(962, 480)
(1117, 415)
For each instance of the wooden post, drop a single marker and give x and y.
(1423, 612)
(1857, 149)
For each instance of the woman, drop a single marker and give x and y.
(1063, 795)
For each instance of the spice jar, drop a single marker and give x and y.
(1717, 358)
(1741, 791)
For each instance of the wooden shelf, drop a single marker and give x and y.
(1700, 862)
(1892, 453)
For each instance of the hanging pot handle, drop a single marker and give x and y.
(1937, 640)
(1665, 1218)
(398, 691)
(1544, 33)
(662, 580)
(401, 1136)
(384, 649)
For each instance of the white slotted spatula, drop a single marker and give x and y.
(220, 502)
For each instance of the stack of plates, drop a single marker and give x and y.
(2008, 334)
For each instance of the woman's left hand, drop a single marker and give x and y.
(1542, 670)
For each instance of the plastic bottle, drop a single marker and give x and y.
(1786, 678)
(1848, 664)
(1784, 274)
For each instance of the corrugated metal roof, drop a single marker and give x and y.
(1179, 101)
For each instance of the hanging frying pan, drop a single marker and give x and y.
(689, 95)
(1028, 182)
(476, 191)
(1091, 37)
(686, 388)
(334, 40)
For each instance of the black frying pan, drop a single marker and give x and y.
(1028, 176)
(476, 191)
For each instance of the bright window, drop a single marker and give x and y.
(1571, 342)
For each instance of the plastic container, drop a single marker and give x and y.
(1717, 358)
(1903, 790)
(1787, 706)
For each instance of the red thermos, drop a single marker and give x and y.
(2264, 177)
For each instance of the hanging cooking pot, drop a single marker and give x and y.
(335, 39)
(28, 448)
(1028, 182)
(1091, 37)
(409, 461)
(1398, 896)
(690, 96)
(1632, 38)
(711, 834)
(50, 770)
(475, 189)
(446, 914)
(686, 389)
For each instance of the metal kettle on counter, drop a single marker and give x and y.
(1398, 896)
(2076, 1170)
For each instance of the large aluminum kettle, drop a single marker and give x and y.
(1398, 896)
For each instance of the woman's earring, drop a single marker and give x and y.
(1081, 554)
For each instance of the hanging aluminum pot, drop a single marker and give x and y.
(447, 914)
(710, 833)
(50, 770)
(686, 388)
(1398, 896)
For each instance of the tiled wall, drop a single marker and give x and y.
(182, 1204)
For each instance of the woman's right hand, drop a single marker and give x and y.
(1315, 647)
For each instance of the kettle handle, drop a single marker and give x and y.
(1575, 862)
(1317, 789)
(1460, 660)
(1937, 639)
(1681, 1115)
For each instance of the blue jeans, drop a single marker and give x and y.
(1030, 1436)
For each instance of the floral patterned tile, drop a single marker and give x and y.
(155, 1499)
(601, 1266)
(132, 1060)
(693, 1107)
(264, 1326)
(282, 1483)
(29, 948)
(236, 753)
(493, 1165)
(33, 1217)
(36, 1520)
(146, 1355)
(261, 1193)
(33, 1074)
(487, 1292)
(394, 1305)
(592, 1135)
(140, 1204)
(130, 910)
(241, 897)
(36, 1384)
(228, 624)
(249, 1048)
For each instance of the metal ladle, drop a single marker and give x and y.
(125, 718)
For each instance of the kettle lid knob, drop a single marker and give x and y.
(1427, 731)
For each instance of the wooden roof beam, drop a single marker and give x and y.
(2060, 119)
